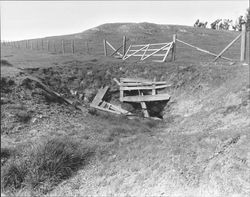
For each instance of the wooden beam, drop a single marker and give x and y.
(144, 109)
(113, 48)
(125, 57)
(154, 52)
(165, 57)
(134, 80)
(105, 47)
(100, 94)
(146, 98)
(144, 83)
(227, 47)
(154, 44)
(124, 45)
(144, 87)
(174, 48)
(145, 51)
(116, 51)
(243, 43)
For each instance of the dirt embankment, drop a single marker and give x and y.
(200, 147)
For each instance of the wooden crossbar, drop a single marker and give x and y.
(134, 80)
(146, 98)
(110, 45)
(143, 83)
(155, 44)
(133, 53)
(145, 87)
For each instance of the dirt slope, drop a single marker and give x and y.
(200, 148)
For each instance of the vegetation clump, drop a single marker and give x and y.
(45, 165)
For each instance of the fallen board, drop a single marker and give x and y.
(146, 98)
(100, 94)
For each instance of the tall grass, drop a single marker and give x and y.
(45, 165)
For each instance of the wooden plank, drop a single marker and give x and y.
(116, 51)
(158, 97)
(124, 45)
(104, 109)
(154, 88)
(227, 47)
(165, 57)
(154, 44)
(155, 55)
(134, 80)
(174, 47)
(144, 109)
(144, 87)
(113, 48)
(145, 51)
(154, 52)
(105, 47)
(100, 94)
(127, 51)
(133, 53)
(243, 43)
(148, 50)
(144, 83)
(121, 92)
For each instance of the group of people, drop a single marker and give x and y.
(225, 24)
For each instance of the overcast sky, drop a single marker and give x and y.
(36, 19)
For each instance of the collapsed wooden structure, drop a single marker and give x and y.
(140, 88)
(99, 103)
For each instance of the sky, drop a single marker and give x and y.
(36, 19)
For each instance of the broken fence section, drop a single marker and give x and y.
(141, 85)
(100, 104)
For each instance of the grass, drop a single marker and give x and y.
(43, 166)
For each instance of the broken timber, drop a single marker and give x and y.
(98, 103)
(128, 84)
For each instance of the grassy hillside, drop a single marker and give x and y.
(143, 33)
(199, 148)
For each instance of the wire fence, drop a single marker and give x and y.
(52, 46)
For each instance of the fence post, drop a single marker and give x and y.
(243, 43)
(42, 44)
(174, 47)
(124, 45)
(48, 46)
(73, 46)
(54, 44)
(63, 50)
(87, 47)
(105, 47)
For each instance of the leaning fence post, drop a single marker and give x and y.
(174, 47)
(243, 43)
(124, 45)
(105, 47)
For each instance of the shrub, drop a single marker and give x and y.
(47, 163)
